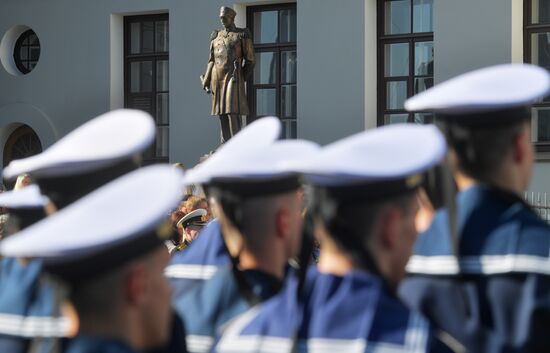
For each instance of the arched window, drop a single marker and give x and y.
(22, 143)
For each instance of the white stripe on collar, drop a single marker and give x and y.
(34, 326)
(487, 264)
(416, 339)
(198, 344)
(203, 272)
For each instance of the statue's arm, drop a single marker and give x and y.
(248, 54)
(205, 79)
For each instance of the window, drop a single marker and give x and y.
(27, 51)
(537, 51)
(146, 85)
(23, 142)
(272, 89)
(405, 57)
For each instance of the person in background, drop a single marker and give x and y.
(192, 223)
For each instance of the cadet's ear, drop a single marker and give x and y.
(135, 283)
(522, 143)
(390, 219)
(282, 222)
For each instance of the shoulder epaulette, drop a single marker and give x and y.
(244, 33)
(214, 34)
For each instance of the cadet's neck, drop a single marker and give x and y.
(268, 262)
(505, 181)
(269, 258)
(331, 259)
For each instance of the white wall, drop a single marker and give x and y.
(80, 71)
(331, 69)
(470, 34)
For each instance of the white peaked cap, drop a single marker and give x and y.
(279, 159)
(27, 197)
(258, 134)
(386, 153)
(492, 88)
(118, 212)
(198, 213)
(98, 143)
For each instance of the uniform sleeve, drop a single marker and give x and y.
(248, 54)
(211, 52)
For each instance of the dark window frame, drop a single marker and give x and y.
(541, 147)
(381, 80)
(151, 157)
(23, 65)
(278, 48)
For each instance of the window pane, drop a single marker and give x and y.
(34, 53)
(288, 25)
(141, 76)
(422, 16)
(398, 16)
(265, 70)
(135, 37)
(148, 34)
(265, 27)
(397, 59)
(141, 103)
(161, 36)
(24, 53)
(288, 66)
(424, 58)
(288, 101)
(422, 84)
(266, 101)
(423, 118)
(396, 94)
(162, 108)
(540, 11)
(162, 75)
(135, 77)
(146, 76)
(161, 149)
(33, 40)
(289, 128)
(540, 124)
(540, 49)
(395, 118)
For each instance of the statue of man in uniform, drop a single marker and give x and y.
(230, 63)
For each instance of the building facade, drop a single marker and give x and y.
(328, 68)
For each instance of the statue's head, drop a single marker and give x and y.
(227, 16)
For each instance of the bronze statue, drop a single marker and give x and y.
(230, 63)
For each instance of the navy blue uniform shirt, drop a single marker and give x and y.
(28, 308)
(495, 298)
(95, 344)
(198, 262)
(351, 313)
(211, 304)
